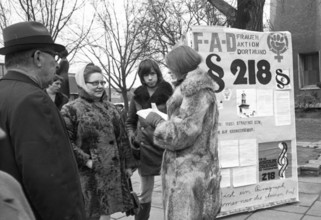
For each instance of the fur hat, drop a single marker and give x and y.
(27, 35)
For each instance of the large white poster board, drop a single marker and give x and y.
(257, 142)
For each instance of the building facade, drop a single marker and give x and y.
(303, 20)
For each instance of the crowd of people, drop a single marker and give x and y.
(73, 160)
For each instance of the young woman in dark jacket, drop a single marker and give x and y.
(153, 90)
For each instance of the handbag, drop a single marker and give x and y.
(134, 197)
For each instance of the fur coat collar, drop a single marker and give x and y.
(160, 96)
(195, 81)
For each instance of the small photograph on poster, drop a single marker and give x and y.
(246, 103)
(275, 160)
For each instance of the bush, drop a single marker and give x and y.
(306, 100)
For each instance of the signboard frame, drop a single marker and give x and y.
(255, 94)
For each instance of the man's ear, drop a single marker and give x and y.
(37, 58)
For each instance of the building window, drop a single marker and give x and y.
(2, 70)
(309, 70)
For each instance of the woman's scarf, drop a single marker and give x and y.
(80, 79)
(83, 90)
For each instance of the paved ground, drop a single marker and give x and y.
(309, 206)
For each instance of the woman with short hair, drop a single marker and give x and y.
(190, 169)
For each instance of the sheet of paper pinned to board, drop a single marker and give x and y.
(282, 108)
(264, 102)
(243, 176)
(229, 153)
(248, 152)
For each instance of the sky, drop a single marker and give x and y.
(89, 12)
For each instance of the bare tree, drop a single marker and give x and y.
(56, 15)
(248, 15)
(172, 19)
(121, 39)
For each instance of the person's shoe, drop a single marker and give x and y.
(144, 211)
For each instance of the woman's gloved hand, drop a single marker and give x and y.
(134, 145)
(154, 119)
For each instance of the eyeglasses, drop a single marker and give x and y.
(96, 83)
(54, 54)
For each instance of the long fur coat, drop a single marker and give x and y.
(190, 169)
(96, 132)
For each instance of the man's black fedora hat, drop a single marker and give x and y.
(27, 35)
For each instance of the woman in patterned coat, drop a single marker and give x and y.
(101, 146)
(190, 169)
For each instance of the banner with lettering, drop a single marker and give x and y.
(257, 140)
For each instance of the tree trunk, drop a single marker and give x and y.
(249, 13)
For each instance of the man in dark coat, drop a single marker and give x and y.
(36, 151)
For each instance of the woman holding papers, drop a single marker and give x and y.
(154, 91)
(190, 169)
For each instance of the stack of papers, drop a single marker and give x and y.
(144, 112)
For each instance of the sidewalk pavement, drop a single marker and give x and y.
(308, 207)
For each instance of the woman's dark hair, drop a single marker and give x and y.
(90, 69)
(56, 78)
(145, 67)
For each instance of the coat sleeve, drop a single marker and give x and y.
(123, 141)
(181, 130)
(44, 157)
(69, 114)
(132, 119)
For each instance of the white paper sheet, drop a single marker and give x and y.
(264, 102)
(229, 153)
(243, 176)
(282, 108)
(248, 154)
(144, 112)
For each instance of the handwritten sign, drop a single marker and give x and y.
(254, 90)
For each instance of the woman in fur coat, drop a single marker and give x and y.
(153, 90)
(100, 145)
(190, 169)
